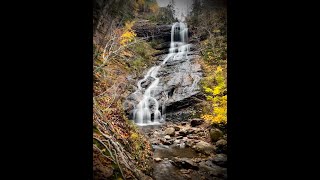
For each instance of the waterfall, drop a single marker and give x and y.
(148, 106)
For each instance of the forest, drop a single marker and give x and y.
(159, 89)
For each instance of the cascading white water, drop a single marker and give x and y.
(179, 49)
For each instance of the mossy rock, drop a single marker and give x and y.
(215, 134)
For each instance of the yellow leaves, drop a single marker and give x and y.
(214, 86)
(128, 34)
(220, 79)
(221, 86)
(134, 136)
(210, 98)
(220, 119)
(219, 69)
(215, 119)
(220, 110)
(224, 98)
(217, 90)
(208, 90)
(219, 113)
(127, 37)
(207, 117)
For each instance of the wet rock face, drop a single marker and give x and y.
(178, 86)
(145, 28)
(130, 103)
(183, 113)
(147, 82)
(179, 81)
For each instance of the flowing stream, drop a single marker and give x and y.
(147, 111)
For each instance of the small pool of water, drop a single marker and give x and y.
(148, 128)
(173, 151)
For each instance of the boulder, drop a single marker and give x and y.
(184, 163)
(221, 146)
(189, 143)
(196, 122)
(204, 147)
(177, 128)
(215, 134)
(190, 131)
(197, 130)
(212, 170)
(170, 131)
(165, 142)
(220, 160)
(183, 132)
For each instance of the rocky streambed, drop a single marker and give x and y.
(188, 150)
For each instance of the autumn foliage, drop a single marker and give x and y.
(117, 138)
(216, 95)
(128, 34)
(214, 60)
